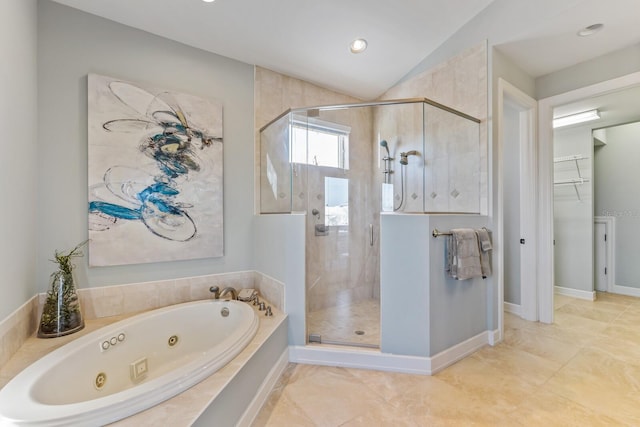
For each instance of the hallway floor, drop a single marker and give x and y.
(584, 370)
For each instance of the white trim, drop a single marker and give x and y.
(325, 355)
(575, 293)
(545, 180)
(626, 290)
(610, 229)
(460, 351)
(262, 395)
(372, 359)
(513, 308)
(508, 94)
(495, 337)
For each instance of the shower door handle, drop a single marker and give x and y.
(371, 234)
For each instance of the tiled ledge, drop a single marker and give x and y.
(180, 410)
(131, 298)
(16, 328)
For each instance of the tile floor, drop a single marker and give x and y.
(338, 324)
(584, 370)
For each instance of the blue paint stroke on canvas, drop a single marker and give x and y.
(151, 197)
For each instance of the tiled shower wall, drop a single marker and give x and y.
(459, 83)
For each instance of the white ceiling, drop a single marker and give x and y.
(309, 40)
(618, 107)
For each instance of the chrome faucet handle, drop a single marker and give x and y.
(261, 307)
(215, 290)
(268, 312)
(233, 294)
(256, 301)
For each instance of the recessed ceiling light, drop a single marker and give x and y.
(208, 1)
(572, 119)
(590, 30)
(358, 45)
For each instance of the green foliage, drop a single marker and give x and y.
(64, 260)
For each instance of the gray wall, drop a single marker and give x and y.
(18, 162)
(616, 177)
(72, 44)
(423, 310)
(605, 67)
(279, 252)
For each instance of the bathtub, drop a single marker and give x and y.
(128, 366)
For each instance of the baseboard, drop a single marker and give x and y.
(575, 293)
(513, 308)
(460, 351)
(359, 358)
(495, 337)
(262, 395)
(626, 290)
(375, 360)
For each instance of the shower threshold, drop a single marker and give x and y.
(317, 339)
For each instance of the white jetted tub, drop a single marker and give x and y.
(128, 366)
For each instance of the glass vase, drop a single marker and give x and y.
(61, 313)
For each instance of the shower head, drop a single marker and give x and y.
(404, 156)
(384, 144)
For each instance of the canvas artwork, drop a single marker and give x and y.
(155, 174)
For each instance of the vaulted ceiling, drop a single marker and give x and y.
(310, 39)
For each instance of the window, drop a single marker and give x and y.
(336, 193)
(319, 143)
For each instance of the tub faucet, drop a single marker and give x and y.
(228, 290)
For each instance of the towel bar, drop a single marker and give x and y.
(438, 233)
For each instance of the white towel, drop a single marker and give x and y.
(463, 254)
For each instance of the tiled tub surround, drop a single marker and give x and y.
(261, 362)
(103, 306)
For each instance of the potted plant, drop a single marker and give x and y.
(61, 313)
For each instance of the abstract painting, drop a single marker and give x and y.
(155, 174)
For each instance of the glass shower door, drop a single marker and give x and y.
(341, 253)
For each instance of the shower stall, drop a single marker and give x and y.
(344, 165)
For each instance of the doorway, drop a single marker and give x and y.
(517, 114)
(546, 250)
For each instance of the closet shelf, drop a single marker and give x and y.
(573, 181)
(569, 158)
(579, 180)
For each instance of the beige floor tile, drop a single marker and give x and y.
(343, 397)
(583, 370)
(578, 323)
(545, 408)
(593, 312)
(616, 298)
(626, 351)
(629, 317)
(518, 363)
(604, 384)
(388, 385)
(560, 300)
(546, 346)
(623, 332)
(283, 413)
(497, 389)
